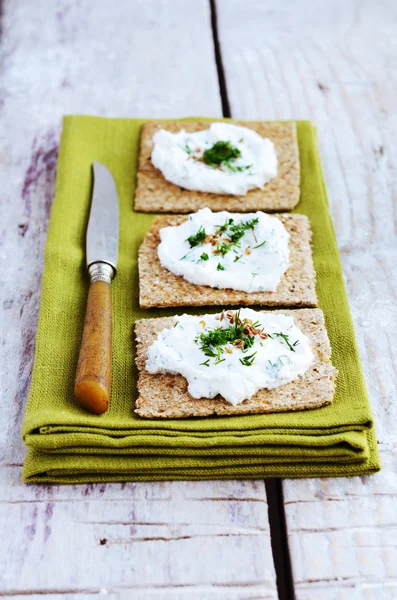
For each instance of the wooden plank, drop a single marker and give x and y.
(329, 68)
(160, 536)
(161, 540)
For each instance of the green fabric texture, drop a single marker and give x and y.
(68, 445)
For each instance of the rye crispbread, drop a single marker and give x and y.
(158, 287)
(165, 396)
(155, 194)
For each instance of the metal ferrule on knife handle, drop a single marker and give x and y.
(94, 368)
(101, 271)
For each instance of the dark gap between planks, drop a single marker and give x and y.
(279, 539)
(218, 61)
(274, 490)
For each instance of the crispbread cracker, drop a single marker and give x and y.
(155, 194)
(165, 396)
(160, 288)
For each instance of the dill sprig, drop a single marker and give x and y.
(236, 168)
(239, 229)
(197, 238)
(221, 152)
(186, 148)
(247, 361)
(212, 342)
(285, 337)
(233, 232)
(222, 228)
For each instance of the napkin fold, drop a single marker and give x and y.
(68, 445)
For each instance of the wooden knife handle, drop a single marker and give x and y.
(94, 368)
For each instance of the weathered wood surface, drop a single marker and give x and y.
(334, 63)
(162, 540)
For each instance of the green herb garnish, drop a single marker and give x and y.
(213, 341)
(248, 343)
(219, 153)
(239, 229)
(204, 256)
(236, 168)
(186, 148)
(197, 238)
(284, 336)
(247, 361)
(234, 232)
(206, 363)
(259, 245)
(220, 267)
(223, 248)
(222, 228)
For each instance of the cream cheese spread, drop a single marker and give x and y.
(247, 252)
(234, 353)
(224, 159)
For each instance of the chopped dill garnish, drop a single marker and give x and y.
(219, 153)
(234, 232)
(259, 245)
(186, 148)
(236, 168)
(223, 248)
(212, 342)
(197, 238)
(222, 228)
(248, 343)
(239, 229)
(220, 267)
(176, 323)
(238, 258)
(247, 361)
(204, 256)
(206, 363)
(284, 336)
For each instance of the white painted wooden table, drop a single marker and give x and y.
(331, 62)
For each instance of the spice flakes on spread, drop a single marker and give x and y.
(234, 353)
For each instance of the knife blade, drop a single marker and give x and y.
(94, 368)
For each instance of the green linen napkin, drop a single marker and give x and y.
(68, 445)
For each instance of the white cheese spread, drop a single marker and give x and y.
(227, 250)
(218, 355)
(224, 159)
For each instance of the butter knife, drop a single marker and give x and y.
(94, 368)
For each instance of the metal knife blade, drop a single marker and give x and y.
(103, 226)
